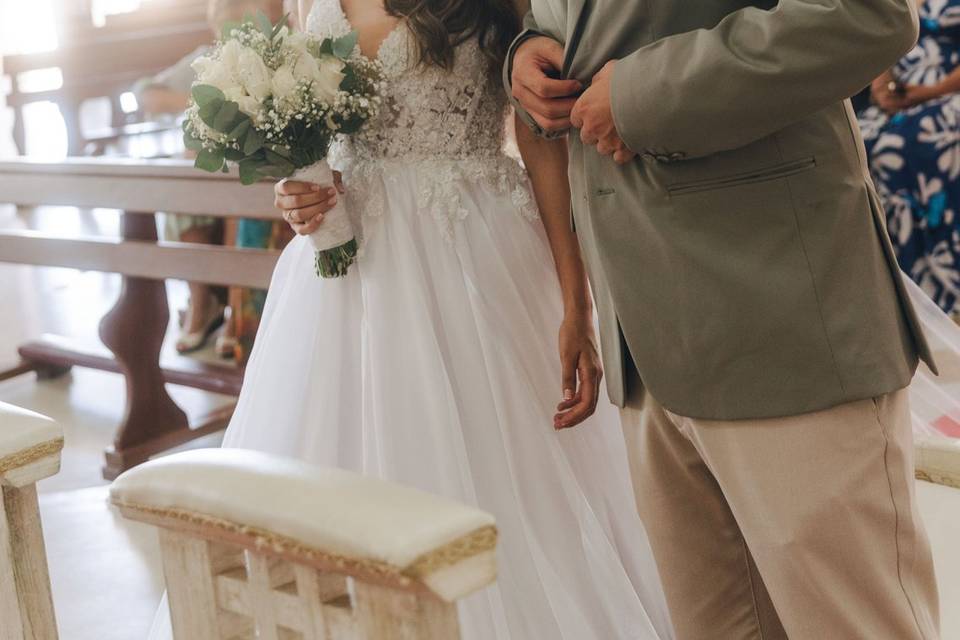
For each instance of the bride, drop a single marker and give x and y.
(433, 363)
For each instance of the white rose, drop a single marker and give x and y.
(330, 75)
(284, 83)
(296, 42)
(213, 72)
(248, 105)
(254, 74)
(306, 68)
(230, 56)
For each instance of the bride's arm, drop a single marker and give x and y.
(546, 162)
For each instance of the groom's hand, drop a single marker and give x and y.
(593, 115)
(536, 65)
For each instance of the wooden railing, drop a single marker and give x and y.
(134, 328)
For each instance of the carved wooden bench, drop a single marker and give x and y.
(30, 446)
(259, 546)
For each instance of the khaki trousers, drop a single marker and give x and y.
(803, 527)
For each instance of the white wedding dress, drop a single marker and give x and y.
(433, 363)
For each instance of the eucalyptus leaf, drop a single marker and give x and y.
(227, 29)
(210, 160)
(248, 172)
(263, 22)
(204, 94)
(277, 160)
(226, 118)
(252, 142)
(280, 150)
(325, 49)
(208, 113)
(343, 47)
(233, 155)
(192, 143)
(240, 130)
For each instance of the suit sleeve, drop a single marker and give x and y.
(758, 71)
(530, 30)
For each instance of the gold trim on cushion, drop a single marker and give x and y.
(946, 479)
(475, 543)
(30, 455)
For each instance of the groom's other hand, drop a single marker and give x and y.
(536, 65)
(593, 115)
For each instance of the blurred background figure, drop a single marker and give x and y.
(912, 134)
(166, 95)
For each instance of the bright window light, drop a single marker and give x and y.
(40, 80)
(128, 102)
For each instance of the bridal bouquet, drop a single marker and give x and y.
(272, 101)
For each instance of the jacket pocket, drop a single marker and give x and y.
(782, 170)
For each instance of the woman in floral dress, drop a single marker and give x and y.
(912, 134)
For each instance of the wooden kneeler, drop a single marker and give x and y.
(30, 447)
(257, 546)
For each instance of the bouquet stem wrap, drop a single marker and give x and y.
(335, 240)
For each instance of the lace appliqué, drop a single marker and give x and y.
(447, 124)
(440, 187)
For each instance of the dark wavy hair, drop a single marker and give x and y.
(439, 26)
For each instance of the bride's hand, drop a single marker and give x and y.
(305, 204)
(582, 373)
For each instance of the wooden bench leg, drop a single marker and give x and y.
(189, 573)
(26, 604)
(134, 330)
(388, 614)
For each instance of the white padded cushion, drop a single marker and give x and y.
(332, 510)
(22, 430)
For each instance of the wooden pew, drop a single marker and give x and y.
(258, 546)
(30, 446)
(134, 329)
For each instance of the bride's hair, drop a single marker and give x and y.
(439, 26)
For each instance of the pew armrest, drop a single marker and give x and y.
(938, 461)
(30, 446)
(330, 519)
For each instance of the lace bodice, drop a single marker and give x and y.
(429, 112)
(447, 125)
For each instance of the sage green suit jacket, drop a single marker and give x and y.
(742, 262)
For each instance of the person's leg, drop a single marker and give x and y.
(710, 580)
(826, 504)
(202, 300)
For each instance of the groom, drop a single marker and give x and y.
(753, 319)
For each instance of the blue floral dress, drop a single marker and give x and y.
(915, 160)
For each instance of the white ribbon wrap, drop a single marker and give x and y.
(336, 229)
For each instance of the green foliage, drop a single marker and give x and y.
(206, 94)
(264, 24)
(228, 117)
(343, 47)
(210, 160)
(252, 142)
(226, 32)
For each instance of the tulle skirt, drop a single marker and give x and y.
(433, 363)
